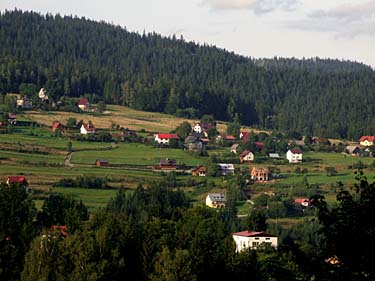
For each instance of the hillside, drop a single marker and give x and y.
(72, 57)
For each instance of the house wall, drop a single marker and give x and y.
(243, 242)
(293, 158)
(366, 143)
(161, 141)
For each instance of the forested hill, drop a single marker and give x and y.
(72, 56)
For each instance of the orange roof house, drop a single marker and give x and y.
(259, 174)
(199, 171)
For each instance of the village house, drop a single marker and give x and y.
(203, 127)
(21, 180)
(57, 126)
(215, 200)
(87, 129)
(101, 163)
(244, 136)
(234, 148)
(367, 140)
(294, 155)
(274, 155)
(259, 174)
(166, 164)
(226, 169)
(83, 104)
(12, 118)
(253, 239)
(193, 143)
(43, 95)
(165, 138)
(304, 202)
(199, 171)
(353, 150)
(259, 145)
(24, 103)
(246, 156)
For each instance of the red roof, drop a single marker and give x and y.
(301, 200)
(296, 151)
(244, 153)
(230, 138)
(56, 125)
(12, 116)
(245, 136)
(248, 233)
(368, 138)
(168, 136)
(260, 145)
(83, 101)
(89, 128)
(16, 179)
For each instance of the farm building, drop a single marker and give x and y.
(101, 163)
(246, 156)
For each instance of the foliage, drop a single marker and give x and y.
(149, 72)
(347, 221)
(17, 213)
(58, 209)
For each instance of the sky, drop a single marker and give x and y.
(336, 29)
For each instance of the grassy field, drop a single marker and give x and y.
(136, 154)
(92, 198)
(45, 168)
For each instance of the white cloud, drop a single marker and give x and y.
(345, 20)
(258, 6)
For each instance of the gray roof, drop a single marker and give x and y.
(274, 155)
(218, 197)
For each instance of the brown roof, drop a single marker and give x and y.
(248, 233)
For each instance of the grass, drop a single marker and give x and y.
(135, 154)
(93, 199)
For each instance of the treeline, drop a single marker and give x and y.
(156, 234)
(73, 57)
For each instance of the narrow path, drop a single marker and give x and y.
(67, 159)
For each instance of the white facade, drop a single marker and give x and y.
(252, 240)
(215, 200)
(248, 157)
(197, 128)
(161, 140)
(85, 129)
(294, 156)
(226, 169)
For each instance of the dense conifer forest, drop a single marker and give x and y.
(73, 57)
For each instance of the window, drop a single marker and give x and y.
(255, 244)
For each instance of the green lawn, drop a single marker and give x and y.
(92, 198)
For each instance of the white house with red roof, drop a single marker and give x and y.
(165, 138)
(87, 129)
(83, 104)
(294, 155)
(367, 140)
(244, 136)
(253, 239)
(246, 156)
